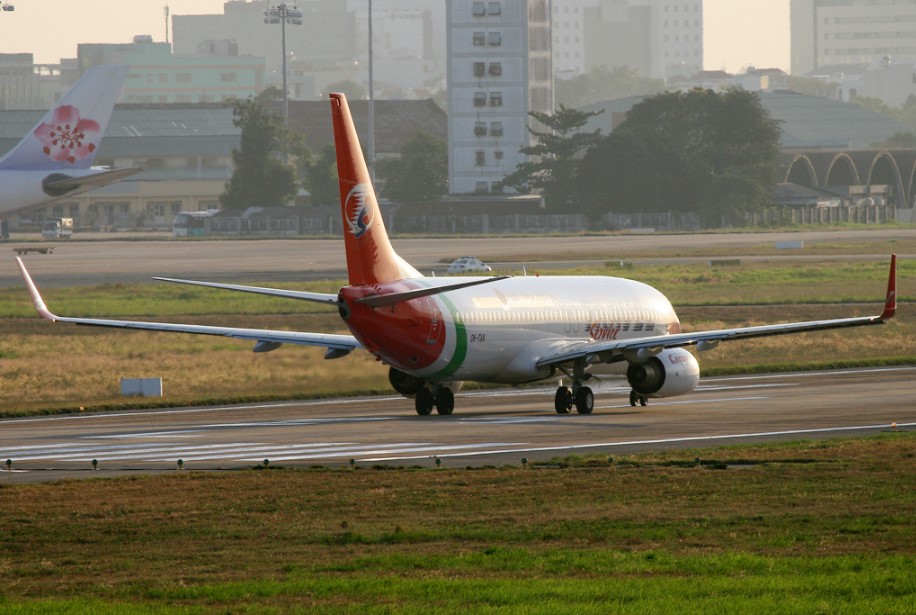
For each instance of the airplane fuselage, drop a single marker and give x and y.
(497, 332)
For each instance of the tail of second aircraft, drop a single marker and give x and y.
(370, 256)
(69, 134)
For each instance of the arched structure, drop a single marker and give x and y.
(854, 172)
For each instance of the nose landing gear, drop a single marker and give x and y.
(638, 399)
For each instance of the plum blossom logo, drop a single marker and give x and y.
(359, 210)
(68, 137)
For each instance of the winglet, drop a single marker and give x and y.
(37, 301)
(890, 302)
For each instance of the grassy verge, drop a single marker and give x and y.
(803, 527)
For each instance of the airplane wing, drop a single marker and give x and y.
(266, 340)
(640, 349)
(61, 184)
(326, 298)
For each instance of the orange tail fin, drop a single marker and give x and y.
(370, 256)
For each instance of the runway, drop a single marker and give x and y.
(494, 427)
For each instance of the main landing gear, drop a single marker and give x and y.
(580, 396)
(638, 399)
(443, 400)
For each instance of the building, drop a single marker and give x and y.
(851, 32)
(656, 38)
(499, 70)
(319, 51)
(158, 76)
(409, 46)
(26, 85)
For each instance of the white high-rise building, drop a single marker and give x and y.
(408, 45)
(657, 38)
(499, 70)
(869, 33)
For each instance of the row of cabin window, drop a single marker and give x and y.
(547, 317)
(482, 9)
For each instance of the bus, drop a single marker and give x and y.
(57, 228)
(193, 223)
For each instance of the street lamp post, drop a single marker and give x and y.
(283, 14)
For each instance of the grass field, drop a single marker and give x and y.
(88, 363)
(802, 527)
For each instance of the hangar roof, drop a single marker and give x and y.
(808, 122)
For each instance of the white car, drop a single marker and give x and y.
(467, 264)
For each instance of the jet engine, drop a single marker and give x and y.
(670, 373)
(404, 383)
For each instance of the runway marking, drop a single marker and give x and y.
(382, 449)
(739, 436)
(125, 451)
(240, 451)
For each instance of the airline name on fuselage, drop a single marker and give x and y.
(610, 330)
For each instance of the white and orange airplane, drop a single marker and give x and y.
(55, 159)
(436, 333)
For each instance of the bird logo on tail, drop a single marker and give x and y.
(360, 209)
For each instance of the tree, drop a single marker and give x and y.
(698, 151)
(420, 174)
(262, 175)
(554, 163)
(321, 177)
(900, 140)
(633, 170)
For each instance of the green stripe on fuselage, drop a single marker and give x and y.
(461, 345)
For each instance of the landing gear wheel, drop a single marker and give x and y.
(424, 402)
(445, 401)
(585, 400)
(643, 400)
(634, 398)
(563, 400)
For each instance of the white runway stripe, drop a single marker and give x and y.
(235, 451)
(394, 450)
(273, 451)
(124, 451)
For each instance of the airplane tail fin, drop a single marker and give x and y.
(370, 256)
(68, 136)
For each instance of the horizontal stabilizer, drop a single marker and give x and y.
(61, 184)
(390, 299)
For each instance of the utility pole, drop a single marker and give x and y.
(283, 14)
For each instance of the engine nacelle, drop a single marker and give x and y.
(404, 383)
(670, 373)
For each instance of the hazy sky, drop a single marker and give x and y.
(737, 33)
